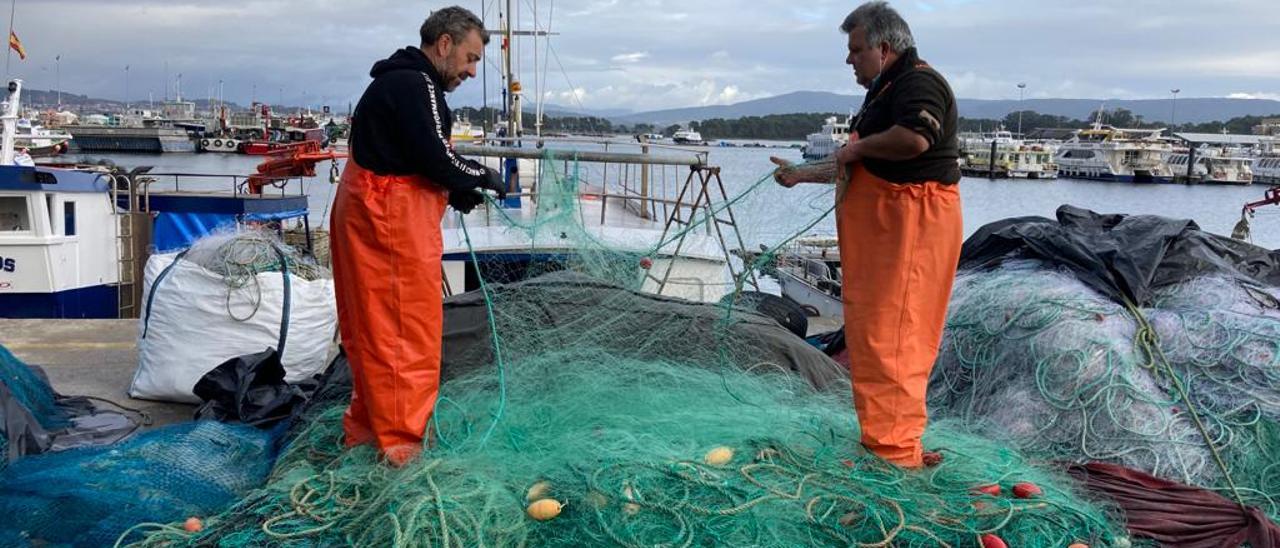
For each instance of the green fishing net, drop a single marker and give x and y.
(644, 420)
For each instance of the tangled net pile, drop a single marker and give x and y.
(1033, 355)
(654, 422)
(240, 255)
(31, 392)
(95, 496)
(622, 442)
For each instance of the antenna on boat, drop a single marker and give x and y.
(10, 118)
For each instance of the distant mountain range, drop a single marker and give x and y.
(39, 97)
(1195, 110)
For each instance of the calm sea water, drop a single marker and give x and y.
(768, 213)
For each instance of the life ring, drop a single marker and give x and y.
(217, 143)
(204, 144)
(231, 144)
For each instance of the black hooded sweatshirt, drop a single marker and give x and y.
(401, 125)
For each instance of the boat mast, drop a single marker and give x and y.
(13, 9)
(512, 91)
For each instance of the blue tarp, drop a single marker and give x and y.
(176, 231)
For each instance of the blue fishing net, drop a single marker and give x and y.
(31, 390)
(92, 496)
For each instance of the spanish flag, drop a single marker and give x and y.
(16, 45)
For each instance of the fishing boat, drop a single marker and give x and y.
(1266, 162)
(73, 241)
(687, 137)
(618, 195)
(464, 132)
(1014, 158)
(40, 142)
(808, 271)
(1212, 165)
(1106, 153)
(619, 201)
(834, 134)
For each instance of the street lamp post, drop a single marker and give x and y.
(1173, 109)
(126, 88)
(1022, 87)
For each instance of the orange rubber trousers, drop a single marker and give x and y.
(899, 246)
(386, 245)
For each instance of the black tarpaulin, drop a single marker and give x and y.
(80, 421)
(248, 389)
(1122, 256)
(563, 298)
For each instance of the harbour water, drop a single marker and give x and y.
(762, 220)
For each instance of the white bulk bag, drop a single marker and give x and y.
(193, 320)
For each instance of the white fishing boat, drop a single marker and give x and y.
(464, 132)
(1213, 165)
(1266, 162)
(1014, 158)
(809, 273)
(39, 141)
(1106, 153)
(571, 197)
(687, 137)
(679, 252)
(834, 134)
(73, 241)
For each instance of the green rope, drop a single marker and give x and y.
(493, 330)
(1148, 341)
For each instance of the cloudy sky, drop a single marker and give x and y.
(652, 54)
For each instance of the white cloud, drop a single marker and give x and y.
(1254, 95)
(730, 94)
(573, 97)
(630, 57)
(652, 54)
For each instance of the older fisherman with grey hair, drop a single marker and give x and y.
(899, 223)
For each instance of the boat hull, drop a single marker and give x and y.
(807, 295)
(94, 302)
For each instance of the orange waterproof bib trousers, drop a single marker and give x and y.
(899, 246)
(386, 245)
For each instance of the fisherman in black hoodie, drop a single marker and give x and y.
(385, 233)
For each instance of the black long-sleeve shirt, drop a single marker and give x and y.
(911, 94)
(401, 125)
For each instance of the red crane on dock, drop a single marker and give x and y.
(297, 160)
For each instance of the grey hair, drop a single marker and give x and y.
(882, 24)
(455, 21)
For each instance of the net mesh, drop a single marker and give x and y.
(32, 392)
(624, 445)
(651, 426)
(1034, 356)
(642, 420)
(94, 496)
(240, 254)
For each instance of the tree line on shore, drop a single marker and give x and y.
(796, 127)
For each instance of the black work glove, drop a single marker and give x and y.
(463, 201)
(493, 181)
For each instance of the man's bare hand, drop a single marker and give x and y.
(785, 174)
